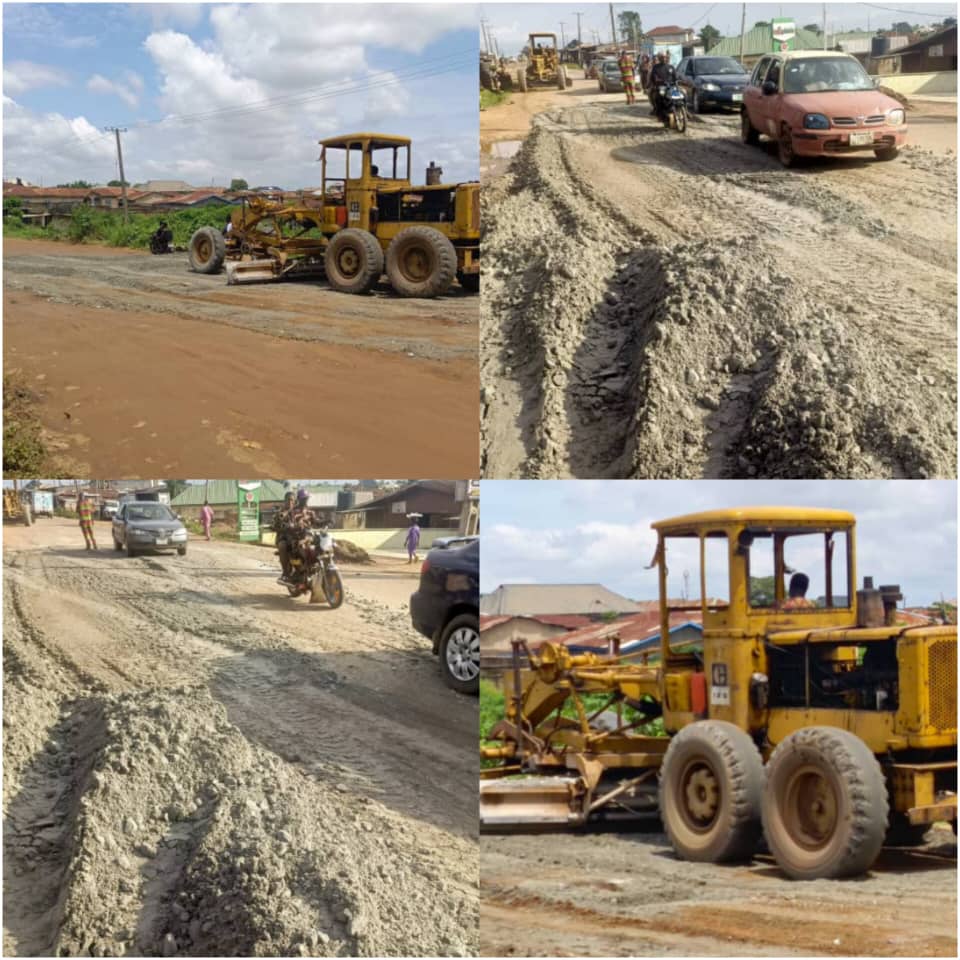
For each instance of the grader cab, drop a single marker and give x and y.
(811, 714)
(542, 67)
(368, 219)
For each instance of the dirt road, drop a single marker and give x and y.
(196, 764)
(658, 305)
(609, 894)
(138, 360)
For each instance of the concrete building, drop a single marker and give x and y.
(526, 599)
(934, 53)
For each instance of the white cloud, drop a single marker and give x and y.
(22, 75)
(100, 84)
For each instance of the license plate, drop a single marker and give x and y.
(737, 97)
(860, 139)
(161, 541)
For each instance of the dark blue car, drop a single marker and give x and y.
(712, 82)
(446, 609)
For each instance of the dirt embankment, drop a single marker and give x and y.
(195, 764)
(609, 894)
(138, 361)
(657, 305)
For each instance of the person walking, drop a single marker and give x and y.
(627, 75)
(85, 510)
(412, 540)
(206, 518)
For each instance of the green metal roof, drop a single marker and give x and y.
(759, 41)
(224, 493)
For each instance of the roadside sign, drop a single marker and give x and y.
(248, 510)
(784, 32)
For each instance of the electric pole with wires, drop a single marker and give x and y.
(123, 179)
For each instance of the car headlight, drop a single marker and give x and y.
(895, 117)
(140, 532)
(816, 121)
(709, 86)
(179, 535)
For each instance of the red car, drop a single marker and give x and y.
(817, 104)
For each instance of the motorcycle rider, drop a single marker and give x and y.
(662, 74)
(299, 523)
(281, 523)
(162, 238)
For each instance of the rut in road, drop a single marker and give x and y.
(184, 774)
(666, 306)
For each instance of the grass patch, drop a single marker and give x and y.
(24, 452)
(87, 225)
(489, 98)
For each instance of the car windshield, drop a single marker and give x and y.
(825, 74)
(149, 511)
(716, 66)
(611, 66)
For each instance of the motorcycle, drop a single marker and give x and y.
(160, 241)
(672, 107)
(314, 571)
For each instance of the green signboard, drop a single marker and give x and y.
(248, 510)
(784, 33)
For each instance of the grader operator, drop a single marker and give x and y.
(828, 727)
(367, 221)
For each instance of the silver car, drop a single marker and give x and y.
(144, 525)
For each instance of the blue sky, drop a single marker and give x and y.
(315, 70)
(598, 531)
(511, 22)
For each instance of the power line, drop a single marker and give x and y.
(915, 13)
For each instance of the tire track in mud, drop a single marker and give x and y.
(778, 345)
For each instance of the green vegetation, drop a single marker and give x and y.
(24, 454)
(87, 225)
(490, 99)
(238, 183)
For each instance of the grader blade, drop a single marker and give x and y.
(251, 271)
(532, 802)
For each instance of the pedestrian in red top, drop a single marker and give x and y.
(627, 76)
(85, 508)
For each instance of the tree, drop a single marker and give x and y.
(631, 29)
(77, 185)
(118, 183)
(175, 487)
(709, 35)
(813, 28)
(949, 21)
(761, 23)
(902, 27)
(238, 183)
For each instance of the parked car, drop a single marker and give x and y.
(608, 77)
(712, 82)
(446, 608)
(145, 525)
(819, 103)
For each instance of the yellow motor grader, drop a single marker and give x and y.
(542, 66)
(369, 221)
(822, 723)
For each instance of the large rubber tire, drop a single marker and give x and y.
(353, 261)
(421, 262)
(561, 78)
(522, 80)
(470, 282)
(208, 250)
(824, 805)
(711, 782)
(460, 654)
(748, 133)
(887, 153)
(785, 147)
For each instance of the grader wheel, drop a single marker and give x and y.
(208, 250)
(353, 261)
(710, 787)
(824, 805)
(421, 262)
(522, 80)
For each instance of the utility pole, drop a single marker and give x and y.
(563, 37)
(613, 25)
(743, 30)
(123, 179)
(824, 26)
(579, 41)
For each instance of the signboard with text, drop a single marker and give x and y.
(248, 511)
(784, 34)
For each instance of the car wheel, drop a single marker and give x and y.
(696, 106)
(460, 653)
(181, 551)
(748, 133)
(130, 551)
(887, 153)
(785, 147)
